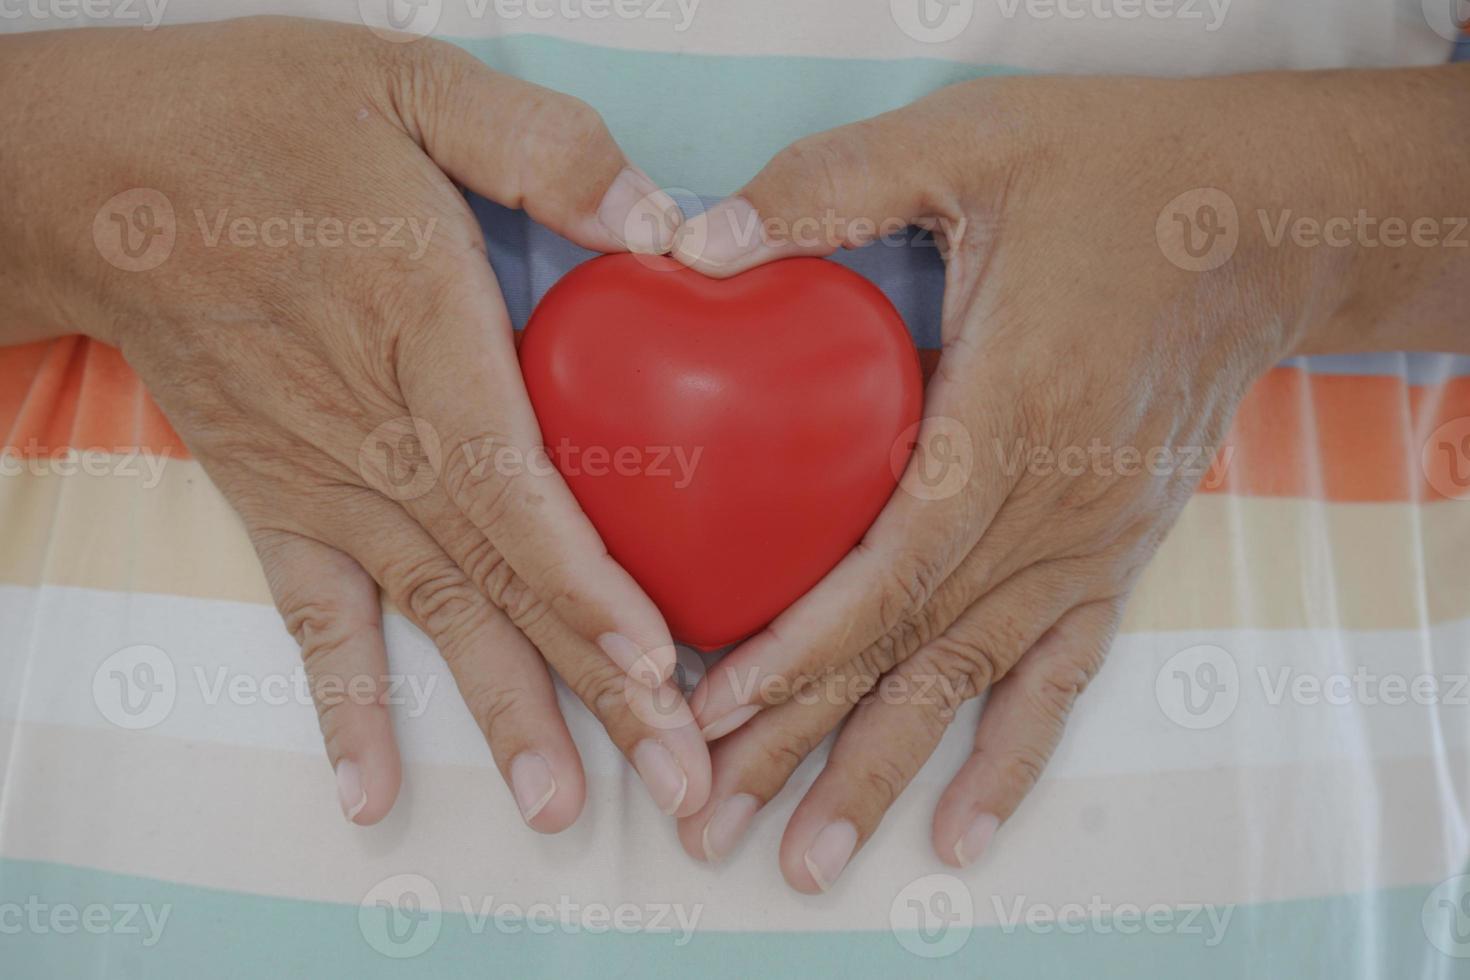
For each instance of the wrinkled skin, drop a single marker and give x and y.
(348, 392)
(1076, 328)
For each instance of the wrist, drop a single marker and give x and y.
(1360, 210)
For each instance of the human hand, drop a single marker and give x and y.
(1092, 362)
(324, 331)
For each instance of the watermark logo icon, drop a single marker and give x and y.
(1199, 230)
(934, 458)
(1446, 459)
(400, 21)
(1447, 18)
(932, 917)
(401, 458)
(1445, 917)
(932, 21)
(1198, 687)
(136, 687)
(400, 916)
(135, 231)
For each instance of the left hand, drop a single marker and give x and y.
(1068, 331)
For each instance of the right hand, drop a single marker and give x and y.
(356, 397)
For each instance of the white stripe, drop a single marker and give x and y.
(268, 823)
(1173, 37)
(1298, 696)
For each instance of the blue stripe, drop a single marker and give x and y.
(222, 934)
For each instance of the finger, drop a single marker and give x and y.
(650, 723)
(752, 764)
(330, 606)
(466, 399)
(499, 674)
(917, 543)
(841, 188)
(524, 146)
(1020, 728)
(891, 735)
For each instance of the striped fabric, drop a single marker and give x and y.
(1266, 780)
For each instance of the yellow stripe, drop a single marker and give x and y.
(1232, 562)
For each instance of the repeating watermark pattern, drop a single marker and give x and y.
(1447, 18)
(139, 686)
(147, 14)
(301, 230)
(1096, 916)
(1363, 230)
(933, 916)
(409, 20)
(402, 458)
(38, 917)
(402, 917)
(1200, 687)
(1445, 917)
(675, 464)
(934, 458)
(125, 464)
(136, 687)
(1199, 230)
(1208, 14)
(1446, 459)
(914, 688)
(1098, 458)
(932, 21)
(401, 21)
(138, 230)
(135, 230)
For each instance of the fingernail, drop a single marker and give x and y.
(633, 661)
(973, 843)
(727, 232)
(532, 783)
(729, 721)
(728, 824)
(638, 214)
(349, 789)
(830, 852)
(666, 782)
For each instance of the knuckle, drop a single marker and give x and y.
(499, 583)
(475, 484)
(1020, 770)
(560, 132)
(961, 670)
(602, 687)
(911, 581)
(884, 779)
(438, 597)
(494, 707)
(1056, 686)
(785, 754)
(821, 163)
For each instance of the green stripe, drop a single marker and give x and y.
(709, 122)
(219, 934)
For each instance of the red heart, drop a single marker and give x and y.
(730, 439)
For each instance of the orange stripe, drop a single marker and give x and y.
(1347, 438)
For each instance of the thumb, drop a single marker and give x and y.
(839, 189)
(524, 146)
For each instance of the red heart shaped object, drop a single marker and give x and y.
(730, 439)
